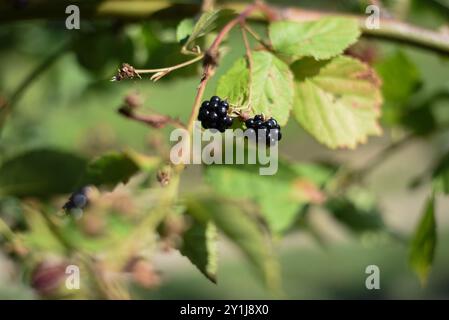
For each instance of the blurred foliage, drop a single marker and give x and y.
(40, 173)
(424, 242)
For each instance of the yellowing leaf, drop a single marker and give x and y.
(337, 101)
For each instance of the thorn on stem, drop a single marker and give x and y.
(211, 58)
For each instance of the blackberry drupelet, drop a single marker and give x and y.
(213, 114)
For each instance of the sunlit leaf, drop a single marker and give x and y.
(234, 84)
(321, 39)
(269, 90)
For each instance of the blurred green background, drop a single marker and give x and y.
(72, 106)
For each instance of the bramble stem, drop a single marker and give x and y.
(249, 57)
(211, 59)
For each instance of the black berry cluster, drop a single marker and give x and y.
(78, 200)
(213, 114)
(270, 129)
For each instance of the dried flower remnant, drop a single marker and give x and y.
(48, 277)
(126, 71)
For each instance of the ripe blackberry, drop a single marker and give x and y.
(269, 129)
(213, 114)
(215, 99)
(250, 123)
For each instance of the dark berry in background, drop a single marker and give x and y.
(213, 114)
(78, 200)
(269, 128)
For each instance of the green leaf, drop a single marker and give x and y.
(115, 167)
(321, 39)
(399, 75)
(234, 221)
(400, 79)
(337, 101)
(272, 87)
(200, 247)
(280, 197)
(205, 24)
(354, 217)
(269, 91)
(41, 173)
(423, 243)
(234, 84)
(184, 30)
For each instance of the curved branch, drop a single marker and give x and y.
(390, 29)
